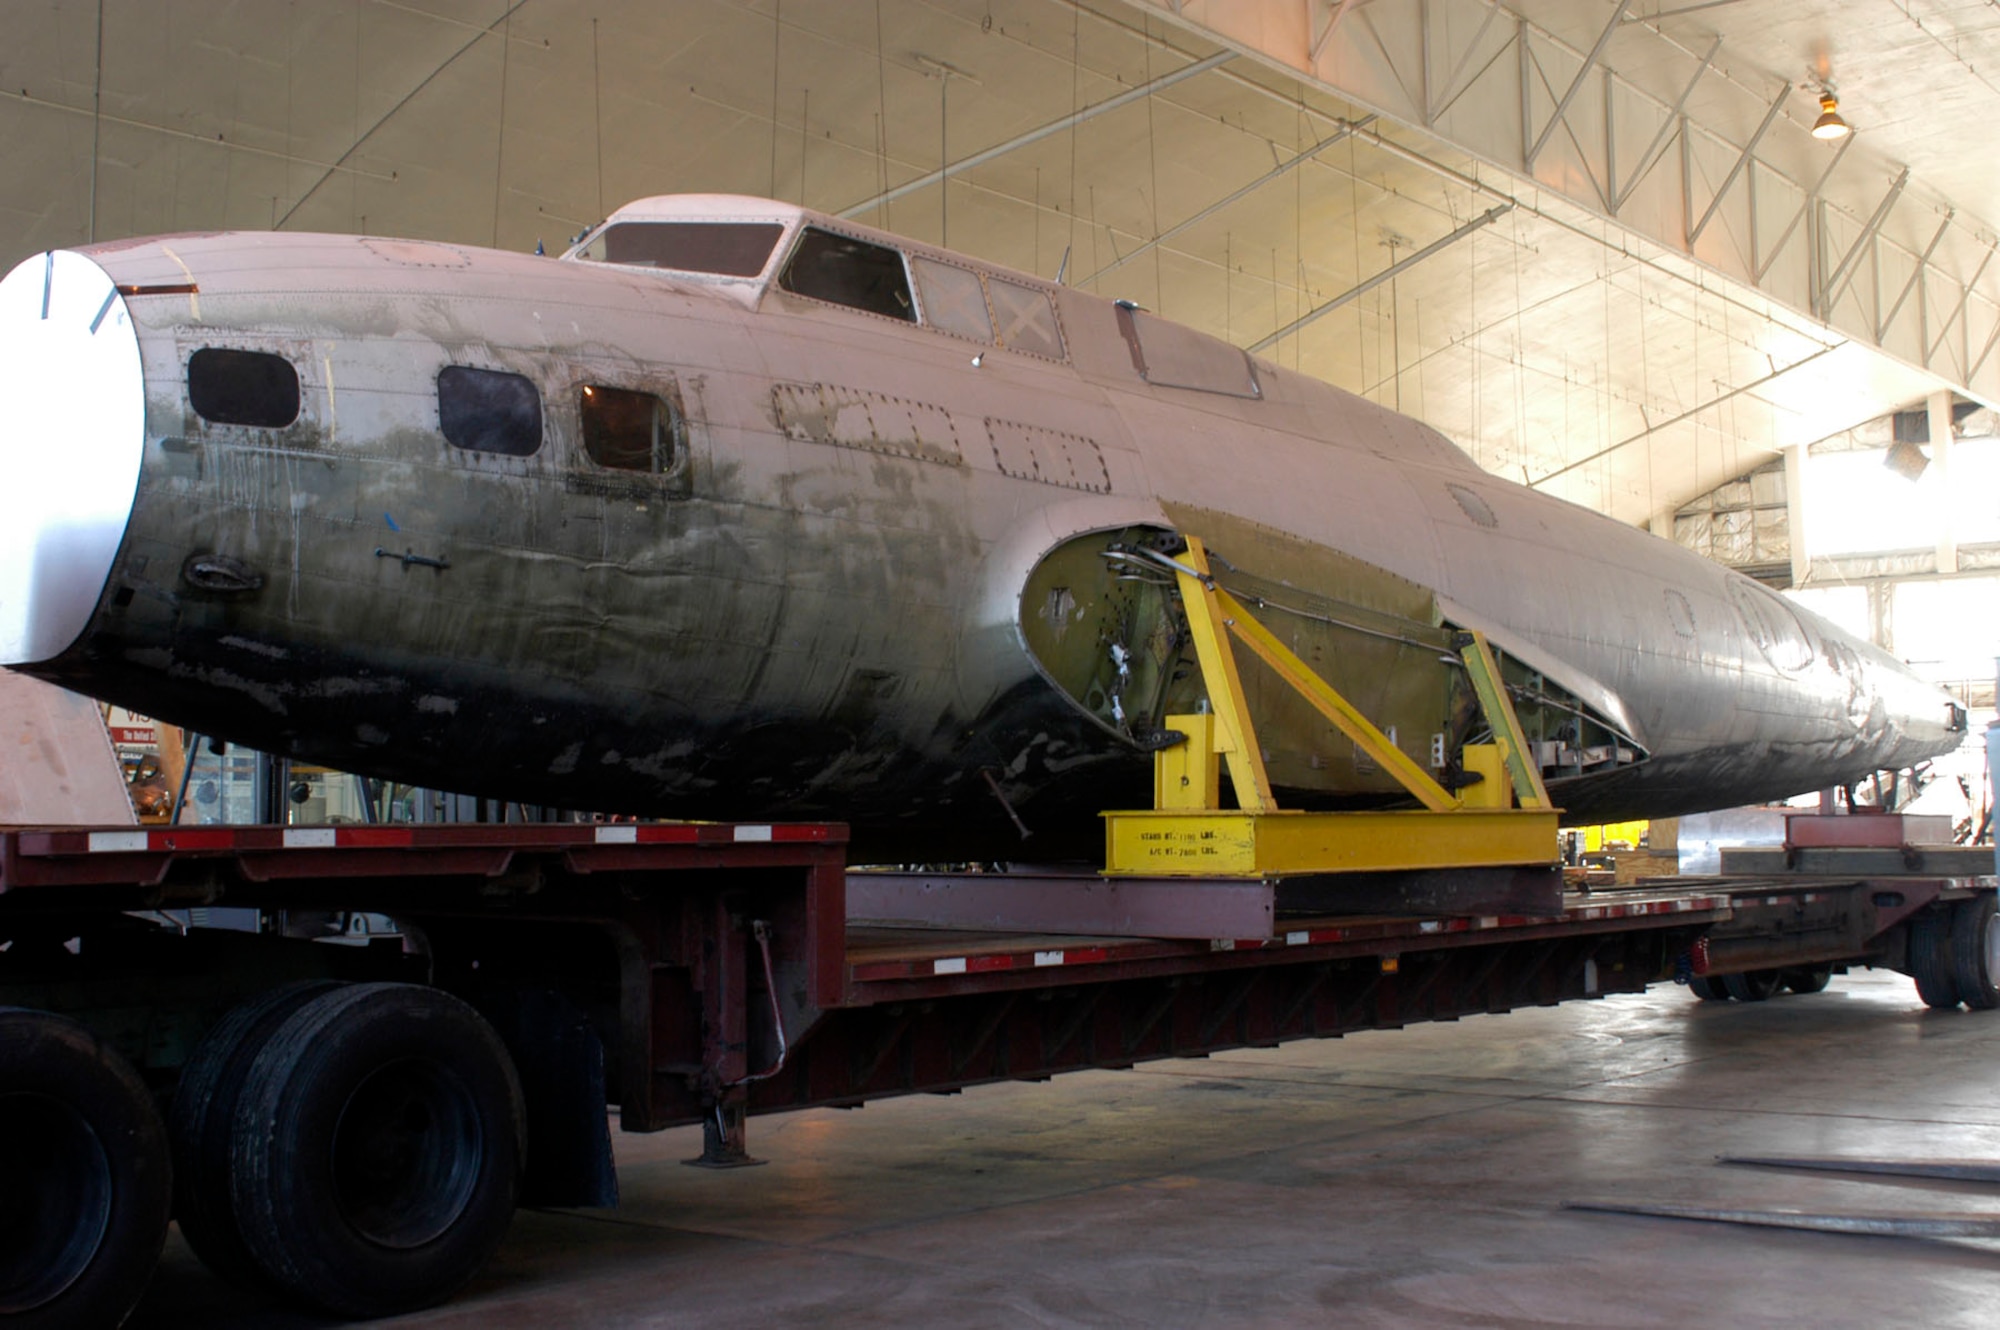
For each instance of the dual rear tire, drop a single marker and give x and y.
(375, 1148)
(1954, 953)
(355, 1147)
(85, 1177)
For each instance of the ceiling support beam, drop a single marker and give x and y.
(1019, 141)
(1576, 84)
(1233, 196)
(1742, 160)
(1339, 8)
(1486, 218)
(1836, 285)
(1688, 414)
(1452, 90)
(1916, 273)
(1992, 339)
(1795, 513)
(1658, 147)
(1617, 161)
(1957, 310)
(1812, 195)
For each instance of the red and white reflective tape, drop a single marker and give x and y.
(404, 835)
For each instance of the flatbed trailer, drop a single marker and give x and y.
(351, 1114)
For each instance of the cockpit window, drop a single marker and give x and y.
(628, 431)
(1026, 319)
(243, 388)
(489, 411)
(954, 300)
(845, 271)
(726, 249)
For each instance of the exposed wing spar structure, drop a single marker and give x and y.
(1106, 619)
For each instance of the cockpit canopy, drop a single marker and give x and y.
(753, 245)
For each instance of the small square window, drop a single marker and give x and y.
(489, 411)
(630, 431)
(243, 388)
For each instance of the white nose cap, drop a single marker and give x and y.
(72, 433)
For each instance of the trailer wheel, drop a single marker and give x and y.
(1707, 989)
(1975, 951)
(377, 1149)
(1809, 978)
(202, 1119)
(1753, 985)
(1930, 959)
(85, 1176)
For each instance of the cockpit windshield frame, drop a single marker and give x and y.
(704, 248)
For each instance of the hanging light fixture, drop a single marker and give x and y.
(1829, 126)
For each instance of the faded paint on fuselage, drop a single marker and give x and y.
(817, 613)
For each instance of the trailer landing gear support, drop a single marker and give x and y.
(725, 1136)
(84, 1173)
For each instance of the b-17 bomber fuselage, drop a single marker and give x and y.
(739, 511)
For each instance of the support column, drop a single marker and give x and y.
(1940, 478)
(1882, 614)
(1795, 512)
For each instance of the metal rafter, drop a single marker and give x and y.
(1882, 327)
(1576, 84)
(1036, 135)
(1353, 292)
(1658, 147)
(1742, 160)
(1804, 207)
(1234, 196)
(1394, 64)
(1836, 285)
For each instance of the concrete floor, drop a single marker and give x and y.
(1411, 1177)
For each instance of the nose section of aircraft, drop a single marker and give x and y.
(72, 433)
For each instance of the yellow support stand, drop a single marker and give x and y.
(1188, 833)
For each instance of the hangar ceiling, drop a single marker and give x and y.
(1643, 310)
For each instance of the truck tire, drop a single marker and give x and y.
(1930, 959)
(85, 1174)
(1975, 951)
(1707, 989)
(1809, 978)
(1753, 985)
(201, 1122)
(377, 1149)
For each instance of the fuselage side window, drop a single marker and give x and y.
(631, 431)
(844, 271)
(726, 249)
(489, 411)
(1026, 318)
(954, 299)
(243, 388)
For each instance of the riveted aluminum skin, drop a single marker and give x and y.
(874, 583)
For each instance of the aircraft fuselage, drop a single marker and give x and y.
(777, 545)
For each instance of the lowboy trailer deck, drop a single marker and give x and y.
(352, 1116)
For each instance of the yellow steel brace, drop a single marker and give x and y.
(1186, 833)
(1529, 791)
(1235, 738)
(1334, 707)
